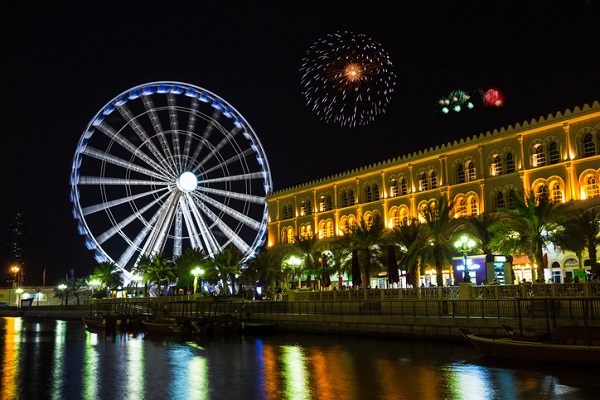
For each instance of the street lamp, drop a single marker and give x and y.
(15, 270)
(197, 272)
(62, 287)
(19, 293)
(296, 262)
(465, 245)
(94, 283)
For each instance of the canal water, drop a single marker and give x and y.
(48, 359)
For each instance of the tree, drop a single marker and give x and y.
(438, 224)
(527, 227)
(76, 286)
(225, 265)
(264, 268)
(187, 261)
(367, 239)
(108, 274)
(411, 240)
(160, 269)
(309, 251)
(479, 226)
(581, 231)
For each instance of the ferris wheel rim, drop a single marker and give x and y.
(176, 88)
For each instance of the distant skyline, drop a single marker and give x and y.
(64, 63)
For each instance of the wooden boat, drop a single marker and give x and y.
(168, 326)
(94, 321)
(572, 345)
(257, 328)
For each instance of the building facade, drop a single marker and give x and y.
(558, 154)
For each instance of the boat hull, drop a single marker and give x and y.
(552, 352)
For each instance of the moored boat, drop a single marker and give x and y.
(572, 345)
(94, 321)
(167, 326)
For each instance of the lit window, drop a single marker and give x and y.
(589, 147)
(460, 174)
(510, 163)
(554, 154)
(539, 157)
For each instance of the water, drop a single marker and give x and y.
(50, 359)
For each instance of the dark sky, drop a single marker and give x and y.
(62, 64)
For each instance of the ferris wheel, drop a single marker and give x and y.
(166, 165)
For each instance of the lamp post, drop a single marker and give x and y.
(296, 262)
(62, 287)
(465, 245)
(197, 272)
(15, 270)
(19, 293)
(94, 283)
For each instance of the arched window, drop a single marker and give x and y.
(329, 229)
(423, 181)
(322, 203)
(375, 191)
(368, 193)
(393, 187)
(328, 202)
(404, 216)
(351, 196)
(500, 202)
(542, 191)
(308, 207)
(303, 207)
(433, 178)
(303, 232)
(539, 157)
(309, 231)
(510, 163)
(460, 173)
(322, 230)
(344, 198)
(592, 187)
(470, 171)
(403, 186)
(589, 147)
(394, 218)
(511, 199)
(556, 193)
(497, 165)
(553, 152)
(462, 208)
(473, 206)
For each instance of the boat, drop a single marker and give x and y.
(168, 326)
(257, 328)
(570, 345)
(94, 321)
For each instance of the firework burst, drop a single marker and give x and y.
(347, 79)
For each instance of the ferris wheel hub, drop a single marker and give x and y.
(187, 182)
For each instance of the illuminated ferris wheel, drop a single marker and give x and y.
(168, 165)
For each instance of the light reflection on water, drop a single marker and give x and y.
(61, 360)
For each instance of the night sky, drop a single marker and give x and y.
(62, 64)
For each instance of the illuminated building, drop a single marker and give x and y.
(17, 243)
(559, 154)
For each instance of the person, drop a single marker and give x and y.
(495, 281)
(576, 280)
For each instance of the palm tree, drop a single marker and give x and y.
(76, 286)
(186, 262)
(412, 241)
(309, 251)
(108, 274)
(367, 240)
(160, 269)
(479, 226)
(438, 224)
(225, 265)
(527, 227)
(61, 291)
(581, 231)
(264, 268)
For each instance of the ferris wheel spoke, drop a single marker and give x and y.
(113, 203)
(233, 237)
(174, 122)
(126, 144)
(155, 120)
(161, 229)
(191, 127)
(228, 137)
(236, 158)
(202, 234)
(109, 233)
(135, 244)
(103, 180)
(114, 160)
(206, 135)
(234, 195)
(241, 177)
(230, 211)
